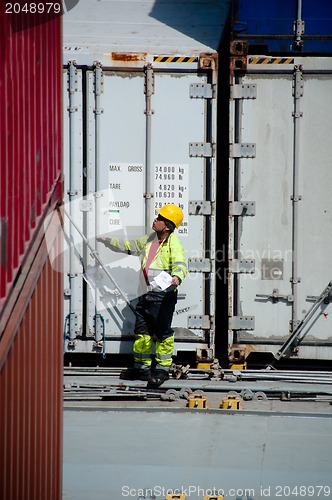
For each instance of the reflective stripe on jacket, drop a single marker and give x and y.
(169, 256)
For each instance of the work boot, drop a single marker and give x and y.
(135, 374)
(157, 378)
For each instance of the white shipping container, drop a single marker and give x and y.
(280, 207)
(140, 83)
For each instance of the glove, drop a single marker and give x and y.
(102, 239)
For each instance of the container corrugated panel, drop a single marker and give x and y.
(31, 381)
(140, 131)
(284, 26)
(30, 288)
(30, 134)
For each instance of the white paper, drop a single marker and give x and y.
(163, 280)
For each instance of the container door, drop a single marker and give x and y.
(315, 214)
(115, 189)
(280, 185)
(145, 142)
(182, 175)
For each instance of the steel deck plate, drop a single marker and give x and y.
(117, 454)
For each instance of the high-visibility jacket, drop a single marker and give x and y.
(169, 256)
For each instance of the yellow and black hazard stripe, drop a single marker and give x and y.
(271, 60)
(174, 59)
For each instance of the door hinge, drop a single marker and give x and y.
(73, 318)
(202, 91)
(202, 150)
(149, 80)
(242, 266)
(98, 87)
(298, 30)
(199, 321)
(241, 323)
(72, 77)
(298, 27)
(98, 329)
(200, 207)
(72, 86)
(298, 83)
(244, 150)
(99, 79)
(72, 193)
(199, 265)
(242, 208)
(244, 91)
(86, 205)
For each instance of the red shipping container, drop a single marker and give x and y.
(31, 354)
(31, 289)
(30, 131)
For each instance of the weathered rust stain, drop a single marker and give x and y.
(238, 63)
(129, 56)
(208, 60)
(238, 48)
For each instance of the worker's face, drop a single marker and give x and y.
(158, 224)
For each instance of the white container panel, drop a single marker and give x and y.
(179, 120)
(115, 170)
(121, 180)
(315, 215)
(267, 179)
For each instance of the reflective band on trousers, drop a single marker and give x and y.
(164, 356)
(142, 349)
(145, 362)
(141, 355)
(164, 351)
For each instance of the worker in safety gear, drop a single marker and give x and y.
(160, 251)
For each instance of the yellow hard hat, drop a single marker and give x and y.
(172, 213)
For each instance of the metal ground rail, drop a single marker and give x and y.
(82, 383)
(180, 372)
(121, 391)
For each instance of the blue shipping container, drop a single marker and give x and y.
(284, 26)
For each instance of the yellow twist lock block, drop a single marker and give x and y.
(213, 497)
(205, 366)
(197, 401)
(238, 366)
(182, 496)
(231, 402)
